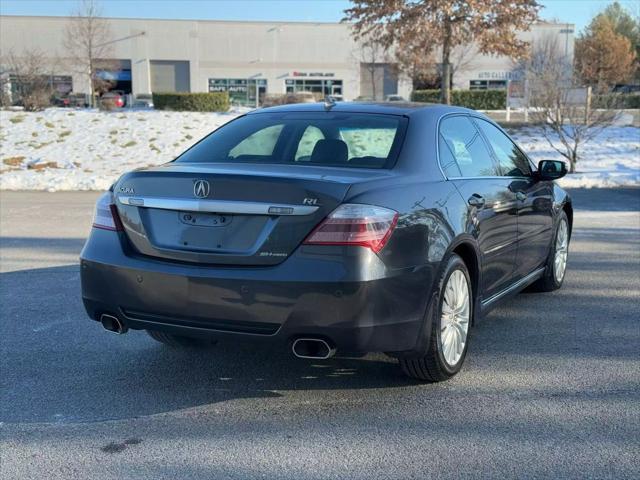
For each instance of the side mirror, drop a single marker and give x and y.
(551, 169)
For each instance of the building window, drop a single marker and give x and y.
(320, 87)
(487, 84)
(242, 91)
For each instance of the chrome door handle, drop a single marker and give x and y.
(521, 196)
(476, 200)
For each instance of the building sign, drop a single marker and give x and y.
(312, 74)
(499, 75)
(242, 91)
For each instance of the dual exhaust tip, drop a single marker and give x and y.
(313, 348)
(113, 324)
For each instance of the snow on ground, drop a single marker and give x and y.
(611, 159)
(65, 149)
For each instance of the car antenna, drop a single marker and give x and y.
(329, 102)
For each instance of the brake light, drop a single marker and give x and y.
(353, 224)
(106, 215)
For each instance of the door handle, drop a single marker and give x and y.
(521, 196)
(476, 200)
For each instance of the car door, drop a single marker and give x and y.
(467, 161)
(535, 200)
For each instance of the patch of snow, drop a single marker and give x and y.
(611, 159)
(67, 149)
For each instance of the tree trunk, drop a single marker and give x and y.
(445, 83)
(573, 161)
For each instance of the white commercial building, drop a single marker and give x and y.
(245, 57)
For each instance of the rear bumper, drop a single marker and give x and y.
(342, 294)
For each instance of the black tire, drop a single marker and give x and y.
(548, 282)
(178, 341)
(431, 365)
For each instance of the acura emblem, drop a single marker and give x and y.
(201, 188)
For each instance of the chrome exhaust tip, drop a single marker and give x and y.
(313, 348)
(113, 324)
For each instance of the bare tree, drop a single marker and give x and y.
(559, 105)
(89, 44)
(30, 77)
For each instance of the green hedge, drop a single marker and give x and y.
(192, 102)
(475, 99)
(616, 100)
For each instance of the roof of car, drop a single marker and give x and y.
(390, 108)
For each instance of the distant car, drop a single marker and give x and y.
(111, 100)
(363, 98)
(394, 98)
(60, 100)
(352, 228)
(143, 100)
(79, 100)
(626, 89)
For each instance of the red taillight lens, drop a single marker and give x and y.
(106, 214)
(352, 224)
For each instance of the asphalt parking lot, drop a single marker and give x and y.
(550, 389)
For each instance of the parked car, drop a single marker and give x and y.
(394, 98)
(330, 228)
(60, 100)
(626, 88)
(143, 100)
(79, 100)
(363, 98)
(111, 100)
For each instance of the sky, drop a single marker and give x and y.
(578, 12)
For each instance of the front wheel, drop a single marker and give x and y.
(451, 311)
(557, 262)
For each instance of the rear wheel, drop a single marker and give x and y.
(451, 312)
(178, 341)
(557, 262)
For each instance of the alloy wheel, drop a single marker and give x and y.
(454, 319)
(562, 247)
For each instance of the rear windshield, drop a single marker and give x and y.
(321, 138)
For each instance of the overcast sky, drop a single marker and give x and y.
(578, 12)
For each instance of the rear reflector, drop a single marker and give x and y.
(353, 224)
(106, 215)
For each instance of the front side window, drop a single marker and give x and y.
(512, 162)
(462, 149)
(315, 138)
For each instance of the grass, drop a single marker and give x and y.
(113, 132)
(154, 148)
(34, 134)
(42, 166)
(13, 161)
(49, 125)
(130, 143)
(188, 137)
(17, 119)
(66, 133)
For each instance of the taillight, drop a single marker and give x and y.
(353, 224)
(106, 215)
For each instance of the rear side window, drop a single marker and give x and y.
(512, 162)
(461, 146)
(316, 138)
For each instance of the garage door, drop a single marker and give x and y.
(169, 76)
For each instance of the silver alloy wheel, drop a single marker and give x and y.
(562, 249)
(454, 320)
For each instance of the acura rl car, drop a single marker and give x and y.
(330, 227)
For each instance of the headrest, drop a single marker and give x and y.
(329, 150)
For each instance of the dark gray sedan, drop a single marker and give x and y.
(329, 228)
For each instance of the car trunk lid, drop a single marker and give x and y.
(231, 214)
